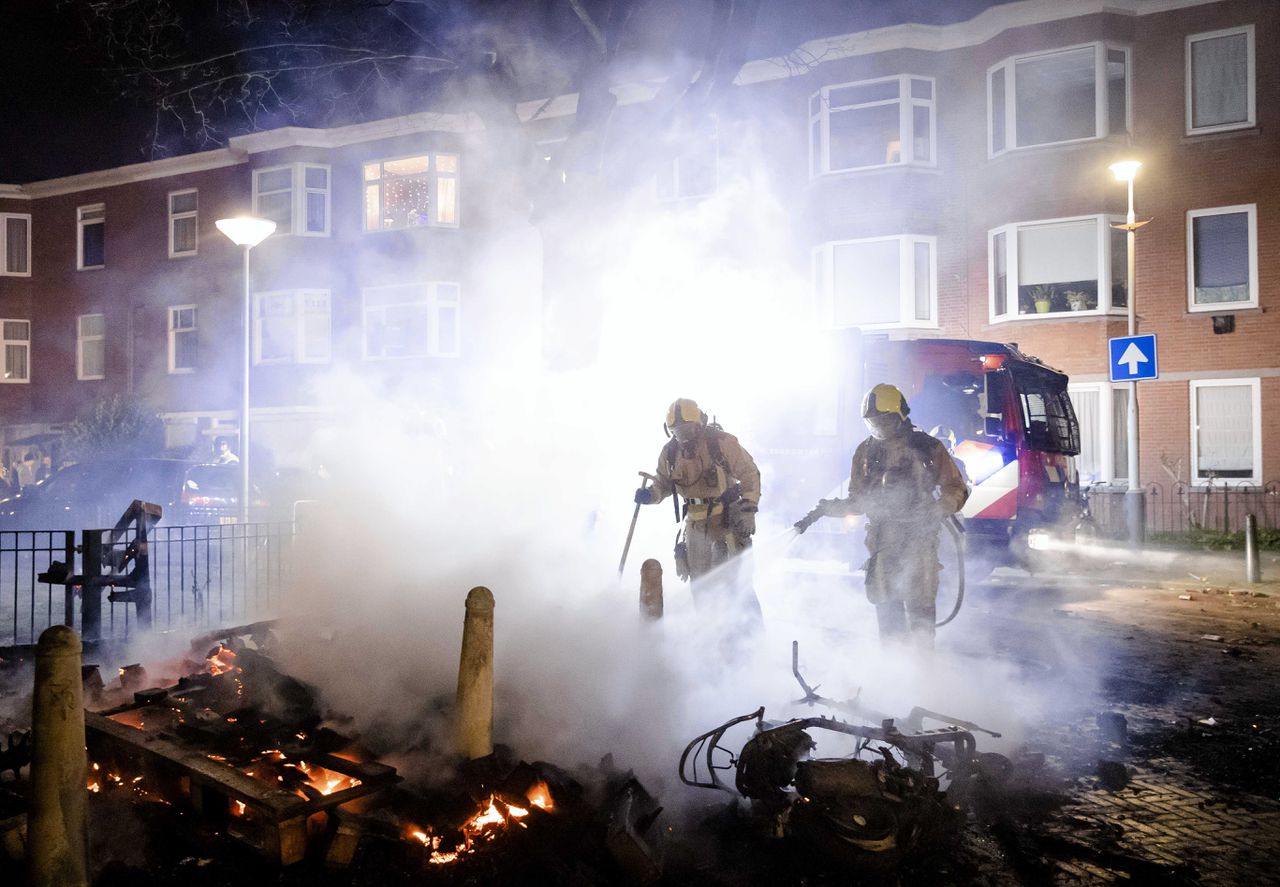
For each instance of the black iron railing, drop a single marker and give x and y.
(195, 577)
(1180, 508)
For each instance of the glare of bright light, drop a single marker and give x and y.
(246, 230)
(980, 463)
(1125, 170)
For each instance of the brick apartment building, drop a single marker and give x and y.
(962, 168)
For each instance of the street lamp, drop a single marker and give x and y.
(248, 232)
(1125, 171)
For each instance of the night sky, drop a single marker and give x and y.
(63, 115)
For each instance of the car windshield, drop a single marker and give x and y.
(214, 480)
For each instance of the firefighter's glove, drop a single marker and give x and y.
(744, 518)
(819, 510)
(644, 496)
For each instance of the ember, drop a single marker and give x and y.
(221, 659)
(492, 820)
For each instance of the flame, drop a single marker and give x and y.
(324, 780)
(494, 817)
(238, 808)
(222, 660)
(93, 786)
(539, 795)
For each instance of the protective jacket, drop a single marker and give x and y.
(907, 478)
(705, 471)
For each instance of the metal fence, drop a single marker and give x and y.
(1181, 507)
(199, 577)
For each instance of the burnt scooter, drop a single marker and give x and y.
(870, 809)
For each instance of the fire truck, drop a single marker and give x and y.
(1005, 415)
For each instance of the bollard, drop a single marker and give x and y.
(473, 713)
(1252, 565)
(57, 829)
(651, 590)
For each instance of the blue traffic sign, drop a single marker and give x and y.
(1133, 358)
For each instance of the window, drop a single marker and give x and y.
(15, 234)
(91, 227)
(1222, 258)
(182, 223)
(1101, 410)
(872, 123)
(1220, 81)
(16, 335)
(1055, 267)
(411, 192)
(299, 191)
(1226, 430)
(291, 327)
(1063, 96)
(877, 283)
(693, 171)
(1046, 411)
(412, 320)
(91, 346)
(183, 339)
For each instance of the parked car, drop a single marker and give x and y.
(94, 493)
(211, 494)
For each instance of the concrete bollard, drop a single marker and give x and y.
(651, 590)
(57, 829)
(1252, 565)
(473, 712)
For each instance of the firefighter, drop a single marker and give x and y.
(721, 488)
(906, 483)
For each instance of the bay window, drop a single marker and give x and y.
(1054, 267)
(878, 282)
(1067, 95)
(412, 320)
(291, 327)
(872, 123)
(411, 192)
(295, 197)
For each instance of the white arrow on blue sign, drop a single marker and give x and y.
(1133, 358)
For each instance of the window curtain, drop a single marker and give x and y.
(1224, 429)
(1220, 77)
(1085, 403)
(15, 247)
(1062, 252)
(1221, 245)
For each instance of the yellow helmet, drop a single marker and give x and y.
(884, 398)
(684, 420)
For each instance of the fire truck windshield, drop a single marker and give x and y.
(1047, 416)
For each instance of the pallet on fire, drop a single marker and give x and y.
(262, 779)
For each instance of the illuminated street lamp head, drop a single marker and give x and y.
(246, 230)
(1125, 170)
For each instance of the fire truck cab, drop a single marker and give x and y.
(1009, 423)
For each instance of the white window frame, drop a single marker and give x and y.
(1107, 428)
(824, 268)
(298, 197)
(1251, 210)
(432, 303)
(298, 298)
(81, 224)
(1255, 385)
(4, 351)
(173, 330)
(1010, 231)
(5, 270)
(435, 177)
(174, 217)
(906, 123)
(82, 340)
(1101, 107)
(1251, 80)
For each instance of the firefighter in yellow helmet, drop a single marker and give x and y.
(721, 488)
(906, 483)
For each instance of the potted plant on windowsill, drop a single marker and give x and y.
(1078, 301)
(1042, 297)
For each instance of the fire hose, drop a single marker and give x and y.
(956, 530)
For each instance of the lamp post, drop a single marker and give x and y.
(248, 232)
(1134, 509)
